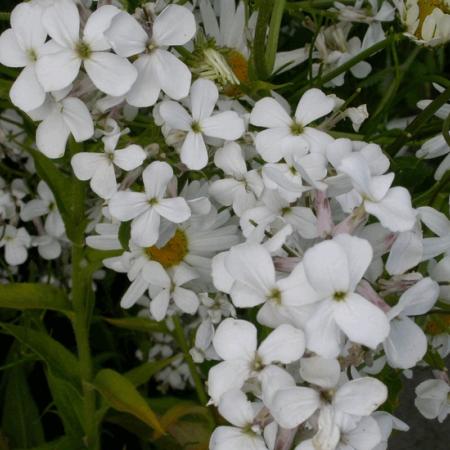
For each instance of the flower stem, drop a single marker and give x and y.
(259, 42)
(420, 120)
(181, 339)
(274, 33)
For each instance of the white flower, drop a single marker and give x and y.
(146, 208)
(99, 167)
(61, 117)
(433, 399)
(439, 224)
(333, 270)
(66, 52)
(243, 187)
(245, 434)
(20, 46)
(235, 341)
(390, 205)
(157, 68)
(202, 122)
(44, 205)
(164, 287)
(352, 400)
(16, 242)
(285, 134)
(407, 344)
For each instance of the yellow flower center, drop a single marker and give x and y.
(172, 253)
(239, 65)
(426, 7)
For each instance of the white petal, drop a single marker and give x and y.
(252, 265)
(231, 438)
(394, 211)
(173, 75)
(134, 292)
(85, 164)
(292, 406)
(230, 159)
(27, 93)
(193, 153)
(235, 408)
(62, 22)
(225, 191)
(244, 296)
(33, 208)
(175, 25)
(146, 88)
(78, 118)
(186, 300)
(272, 379)
(129, 158)
(159, 305)
(154, 273)
(359, 256)
(320, 371)
(323, 336)
(221, 278)
(225, 376)
(26, 21)
(128, 205)
(361, 321)
(156, 177)
(225, 125)
(126, 36)
(175, 115)
(268, 143)
(55, 71)
(145, 228)
(406, 344)
(285, 344)
(431, 397)
(204, 95)
(173, 209)
(103, 182)
(15, 254)
(436, 221)
(96, 25)
(367, 433)
(51, 135)
(360, 397)
(235, 339)
(327, 268)
(313, 105)
(110, 73)
(268, 113)
(11, 55)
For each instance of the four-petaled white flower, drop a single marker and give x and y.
(201, 122)
(64, 54)
(146, 208)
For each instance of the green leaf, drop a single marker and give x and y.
(69, 403)
(138, 324)
(63, 443)
(142, 374)
(125, 234)
(33, 296)
(21, 421)
(59, 360)
(120, 393)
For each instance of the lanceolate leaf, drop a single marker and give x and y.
(138, 324)
(120, 393)
(33, 296)
(142, 374)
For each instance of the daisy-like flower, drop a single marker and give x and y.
(291, 135)
(146, 208)
(21, 46)
(99, 167)
(61, 116)
(333, 269)
(63, 56)
(235, 341)
(201, 122)
(158, 69)
(16, 242)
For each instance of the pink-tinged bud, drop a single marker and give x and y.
(441, 375)
(285, 263)
(366, 290)
(351, 223)
(285, 439)
(325, 223)
(399, 283)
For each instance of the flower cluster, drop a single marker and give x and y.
(287, 247)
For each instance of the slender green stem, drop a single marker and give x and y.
(420, 120)
(259, 43)
(181, 339)
(274, 33)
(317, 4)
(80, 295)
(4, 16)
(446, 130)
(428, 197)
